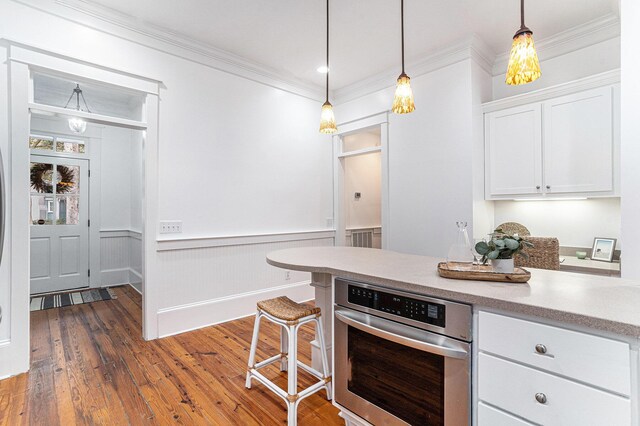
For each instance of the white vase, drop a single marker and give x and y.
(504, 266)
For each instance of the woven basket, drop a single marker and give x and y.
(512, 228)
(545, 254)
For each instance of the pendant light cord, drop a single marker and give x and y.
(521, 13)
(327, 88)
(402, 30)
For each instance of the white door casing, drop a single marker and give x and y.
(60, 227)
(21, 62)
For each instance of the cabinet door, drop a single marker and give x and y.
(513, 151)
(578, 142)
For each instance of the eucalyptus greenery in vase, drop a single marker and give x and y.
(501, 249)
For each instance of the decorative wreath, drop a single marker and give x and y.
(42, 183)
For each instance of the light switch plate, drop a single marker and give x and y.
(170, 226)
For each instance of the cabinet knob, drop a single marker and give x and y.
(548, 186)
(541, 398)
(541, 349)
(537, 186)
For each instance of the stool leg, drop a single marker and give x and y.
(252, 351)
(284, 347)
(292, 379)
(325, 362)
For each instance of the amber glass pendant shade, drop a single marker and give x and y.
(523, 65)
(327, 119)
(403, 99)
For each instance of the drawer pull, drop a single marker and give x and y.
(541, 398)
(541, 349)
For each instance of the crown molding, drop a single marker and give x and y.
(576, 38)
(592, 82)
(472, 47)
(115, 23)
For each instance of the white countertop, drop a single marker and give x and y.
(599, 302)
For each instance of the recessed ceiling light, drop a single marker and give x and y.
(323, 69)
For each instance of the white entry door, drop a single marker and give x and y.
(59, 218)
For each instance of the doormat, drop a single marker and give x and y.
(60, 300)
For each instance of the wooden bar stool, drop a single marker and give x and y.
(289, 315)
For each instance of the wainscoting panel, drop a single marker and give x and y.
(120, 257)
(203, 286)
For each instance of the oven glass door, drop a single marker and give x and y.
(389, 373)
(403, 381)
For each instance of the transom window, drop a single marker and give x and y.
(63, 145)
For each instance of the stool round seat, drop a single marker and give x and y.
(286, 309)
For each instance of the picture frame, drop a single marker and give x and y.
(603, 249)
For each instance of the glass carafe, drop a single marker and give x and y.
(460, 254)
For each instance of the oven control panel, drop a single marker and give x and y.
(403, 306)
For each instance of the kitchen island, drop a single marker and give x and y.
(581, 314)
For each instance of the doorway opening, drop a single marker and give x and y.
(86, 192)
(361, 182)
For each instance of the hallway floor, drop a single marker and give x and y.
(90, 365)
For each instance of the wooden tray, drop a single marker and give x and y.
(481, 273)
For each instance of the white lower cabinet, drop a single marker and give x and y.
(575, 379)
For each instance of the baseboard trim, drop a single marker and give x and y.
(111, 277)
(134, 287)
(180, 319)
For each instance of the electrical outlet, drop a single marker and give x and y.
(170, 226)
(287, 275)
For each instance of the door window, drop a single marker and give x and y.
(54, 194)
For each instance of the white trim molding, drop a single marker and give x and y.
(183, 318)
(579, 37)
(167, 244)
(587, 83)
(110, 21)
(472, 47)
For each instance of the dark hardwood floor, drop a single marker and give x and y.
(90, 365)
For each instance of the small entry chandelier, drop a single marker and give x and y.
(77, 124)
(327, 118)
(403, 99)
(523, 61)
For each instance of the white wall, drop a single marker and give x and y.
(116, 178)
(483, 214)
(595, 59)
(630, 134)
(236, 157)
(574, 222)
(430, 158)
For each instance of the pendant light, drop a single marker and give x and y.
(77, 125)
(523, 62)
(403, 99)
(327, 118)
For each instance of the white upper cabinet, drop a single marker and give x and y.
(555, 147)
(578, 142)
(513, 154)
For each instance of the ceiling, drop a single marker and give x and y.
(288, 36)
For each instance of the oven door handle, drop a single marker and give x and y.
(378, 327)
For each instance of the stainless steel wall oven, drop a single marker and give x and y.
(401, 358)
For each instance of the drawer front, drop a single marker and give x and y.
(513, 387)
(489, 416)
(591, 359)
